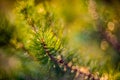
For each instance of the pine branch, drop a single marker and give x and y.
(61, 61)
(66, 65)
(44, 46)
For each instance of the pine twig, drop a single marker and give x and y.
(61, 61)
(65, 64)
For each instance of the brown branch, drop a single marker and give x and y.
(109, 37)
(61, 61)
(66, 65)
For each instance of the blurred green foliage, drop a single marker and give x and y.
(6, 30)
(70, 29)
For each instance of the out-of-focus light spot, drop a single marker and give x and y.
(104, 45)
(41, 10)
(73, 67)
(111, 26)
(85, 70)
(59, 57)
(72, 71)
(70, 64)
(96, 75)
(28, 41)
(92, 9)
(26, 54)
(54, 66)
(104, 77)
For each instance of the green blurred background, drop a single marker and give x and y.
(80, 20)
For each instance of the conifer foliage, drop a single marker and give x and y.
(45, 45)
(59, 40)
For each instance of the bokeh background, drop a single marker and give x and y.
(91, 28)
